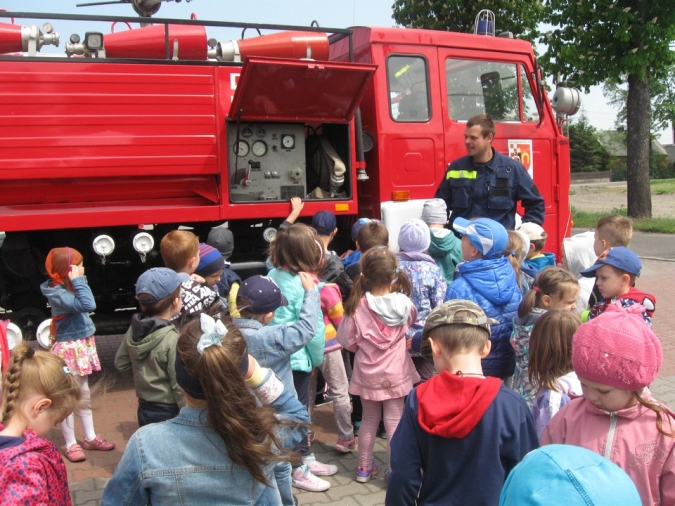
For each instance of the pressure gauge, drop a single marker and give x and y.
(261, 132)
(246, 132)
(259, 148)
(241, 148)
(288, 141)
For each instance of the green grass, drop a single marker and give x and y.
(588, 219)
(663, 186)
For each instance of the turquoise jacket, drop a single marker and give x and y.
(447, 253)
(311, 355)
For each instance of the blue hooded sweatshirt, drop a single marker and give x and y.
(492, 285)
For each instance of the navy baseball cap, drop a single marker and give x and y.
(324, 222)
(157, 283)
(486, 235)
(620, 257)
(263, 294)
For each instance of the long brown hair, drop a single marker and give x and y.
(379, 268)
(296, 249)
(38, 372)
(550, 281)
(551, 348)
(660, 410)
(232, 411)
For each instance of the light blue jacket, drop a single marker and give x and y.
(273, 345)
(291, 286)
(76, 307)
(492, 285)
(184, 462)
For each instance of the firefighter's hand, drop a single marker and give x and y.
(198, 278)
(307, 281)
(296, 206)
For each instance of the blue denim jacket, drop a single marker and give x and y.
(75, 305)
(273, 345)
(183, 461)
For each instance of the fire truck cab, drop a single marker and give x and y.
(140, 131)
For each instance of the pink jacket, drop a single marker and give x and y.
(629, 438)
(383, 368)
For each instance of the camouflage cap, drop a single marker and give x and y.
(457, 311)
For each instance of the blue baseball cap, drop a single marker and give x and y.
(157, 283)
(324, 222)
(486, 235)
(263, 294)
(620, 257)
(357, 226)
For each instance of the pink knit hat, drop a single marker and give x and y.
(617, 349)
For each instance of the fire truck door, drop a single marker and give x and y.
(475, 83)
(411, 155)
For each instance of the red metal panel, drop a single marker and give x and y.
(122, 136)
(290, 90)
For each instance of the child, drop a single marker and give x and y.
(379, 312)
(578, 254)
(149, 346)
(445, 248)
(296, 250)
(371, 234)
(536, 259)
(564, 474)
(487, 278)
(222, 239)
(332, 271)
(427, 281)
(38, 392)
(550, 368)
(350, 257)
(180, 253)
(211, 265)
(553, 288)
(273, 345)
(222, 448)
(616, 357)
(615, 276)
(71, 301)
(461, 432)
(610, 232)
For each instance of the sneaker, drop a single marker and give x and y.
(357, 426)
(387, 472)
(305, 480)
(363, 474)
(98, 443)
(74, 453)
(384, 434)
(318, 468)
(345, 445)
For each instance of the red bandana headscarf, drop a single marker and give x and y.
(58, 264)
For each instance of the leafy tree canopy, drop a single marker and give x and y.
(518, 16)
(593, 41)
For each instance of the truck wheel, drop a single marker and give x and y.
(28, 320)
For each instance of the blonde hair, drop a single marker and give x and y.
(550, 281)
(177, 248)
(615, 229)
(38, 372)
(513, 252)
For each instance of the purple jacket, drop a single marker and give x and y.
(382, 367)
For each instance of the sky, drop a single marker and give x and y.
(335, 14)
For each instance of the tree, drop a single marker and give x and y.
(586, 152)
(518, 16)
(593, 41)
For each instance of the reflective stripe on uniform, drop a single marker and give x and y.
(461, 174)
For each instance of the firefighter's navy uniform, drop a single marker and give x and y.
(491, 190)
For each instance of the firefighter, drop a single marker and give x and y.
(487, 183)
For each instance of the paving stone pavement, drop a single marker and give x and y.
(115, 415)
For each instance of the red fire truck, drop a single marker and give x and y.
(135, 132)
